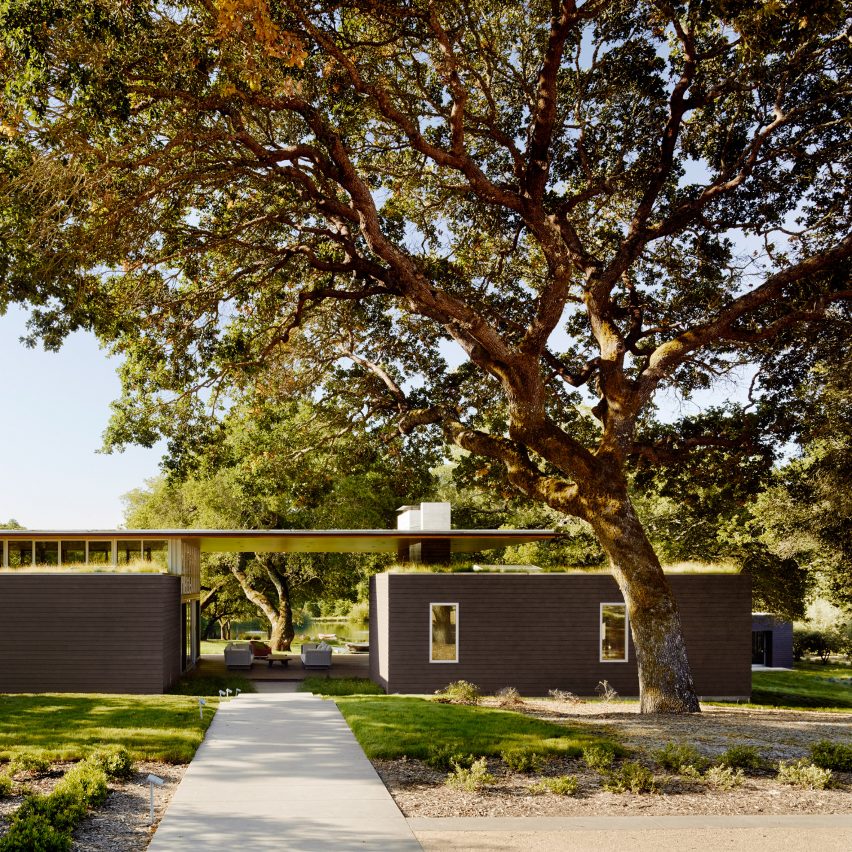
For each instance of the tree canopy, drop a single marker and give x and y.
(510, 224)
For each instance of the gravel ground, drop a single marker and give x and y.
(779, 734)
(121, 823)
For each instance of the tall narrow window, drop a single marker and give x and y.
(613, 633)
(444, 633)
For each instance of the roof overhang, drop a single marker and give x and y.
(304, 541)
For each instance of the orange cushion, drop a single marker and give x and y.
(260, 649)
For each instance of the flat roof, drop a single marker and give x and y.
(302, 541)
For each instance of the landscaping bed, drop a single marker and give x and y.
(421, 791)
(121, 823)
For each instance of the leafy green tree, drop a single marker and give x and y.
(805, 514)
(281, 464)
(11, 524)
(507, 224)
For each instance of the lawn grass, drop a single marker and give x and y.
(807, 686)
(194, 683)
(394, 726)
(340, 686)
(70, 726)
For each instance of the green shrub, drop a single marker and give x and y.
(35, 834)
(823, 643)
(692, 772)
(444, 757)
(114, 760)
(630, 777)
(802, 773)
(599, 757)
(45, 823)
(6, 784)
(724, 777)
(562, 785)
(460, 692)
(471, 779)
(87, 781)
(829, 755)
(675, 757)
(29, 761)
(741, 757)
(523, 760)
(62, 809)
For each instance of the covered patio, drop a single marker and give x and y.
(342, 666)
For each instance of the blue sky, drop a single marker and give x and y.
(55, 408)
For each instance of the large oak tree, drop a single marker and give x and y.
(515, 222)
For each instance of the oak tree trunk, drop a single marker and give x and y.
(283, 632)
(665, 680)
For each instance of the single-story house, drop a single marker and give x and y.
(119, 610)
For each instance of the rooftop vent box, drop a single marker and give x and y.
(424, 516)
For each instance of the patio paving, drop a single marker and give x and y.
(342, 665)
(281, 770)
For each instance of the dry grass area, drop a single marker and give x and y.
(778, 734)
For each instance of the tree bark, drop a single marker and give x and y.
(283, 631)
(277, 609)
(665, 679)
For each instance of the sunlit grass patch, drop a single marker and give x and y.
(399, 726)
(70, 726)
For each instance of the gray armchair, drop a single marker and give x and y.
(316, 656)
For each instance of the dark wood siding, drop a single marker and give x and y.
(89, 632)
(541, 632)
(782, 638)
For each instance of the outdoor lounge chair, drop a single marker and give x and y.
(238, 655)
(316, 656)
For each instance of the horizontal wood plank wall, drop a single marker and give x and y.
(541, 632)
(89, 632)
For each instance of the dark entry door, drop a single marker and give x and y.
(761, 648)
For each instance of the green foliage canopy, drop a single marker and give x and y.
(583, 203)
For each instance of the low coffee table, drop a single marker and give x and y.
(278, 658)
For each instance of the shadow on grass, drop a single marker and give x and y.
(69, 726)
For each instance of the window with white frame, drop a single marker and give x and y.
(443, 633)
(613, 633)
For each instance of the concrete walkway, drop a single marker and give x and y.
(281, 770)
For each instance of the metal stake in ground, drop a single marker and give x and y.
(153, 781)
